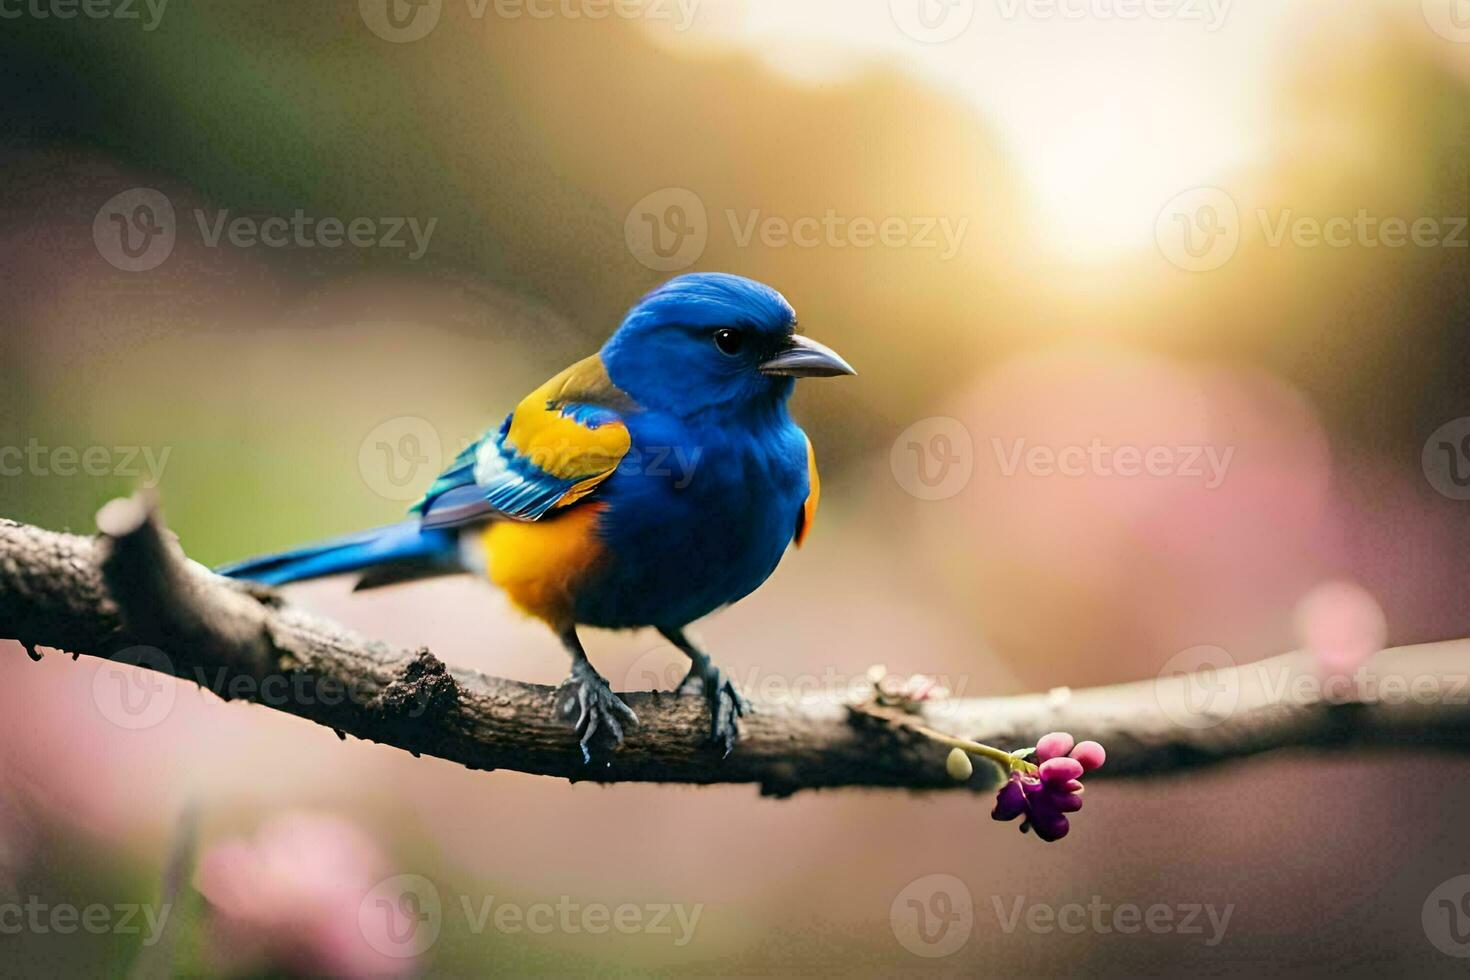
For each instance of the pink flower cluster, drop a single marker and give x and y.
(1045, 799)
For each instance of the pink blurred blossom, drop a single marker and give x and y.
(290, 898)
(63, 756)
(1100, 571)
(1341, 625)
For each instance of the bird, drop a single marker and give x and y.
(647, 485)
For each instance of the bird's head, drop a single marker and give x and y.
(710, 341)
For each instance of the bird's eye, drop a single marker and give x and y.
(729, 341)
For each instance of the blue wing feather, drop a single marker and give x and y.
(459, 473)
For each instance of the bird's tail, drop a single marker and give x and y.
(394, 553)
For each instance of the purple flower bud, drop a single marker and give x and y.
(1010, 802)
(1067, 802)
(1045, 797)
(1050, 827)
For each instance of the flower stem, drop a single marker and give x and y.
(1009, 761)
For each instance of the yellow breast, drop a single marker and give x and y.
(539, 563)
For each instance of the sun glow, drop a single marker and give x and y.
(1108, 118)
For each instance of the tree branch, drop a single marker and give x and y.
(131, 595)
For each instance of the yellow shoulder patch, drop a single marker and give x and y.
(583, 444)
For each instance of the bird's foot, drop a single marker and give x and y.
(586, 696)
(726, 703)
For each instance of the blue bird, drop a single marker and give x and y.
(647, 485)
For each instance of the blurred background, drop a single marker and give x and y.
(1160, 318)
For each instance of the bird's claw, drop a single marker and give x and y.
(726, 703)
(587, 696)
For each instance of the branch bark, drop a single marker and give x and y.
(129, 594)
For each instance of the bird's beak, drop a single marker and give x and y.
(805, 358)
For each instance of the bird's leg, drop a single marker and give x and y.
(725, 702)
(587, 697)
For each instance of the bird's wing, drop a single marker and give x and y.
(808, 512)
(561, 441)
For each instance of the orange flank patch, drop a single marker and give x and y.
(813, 497)
(539, 563)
